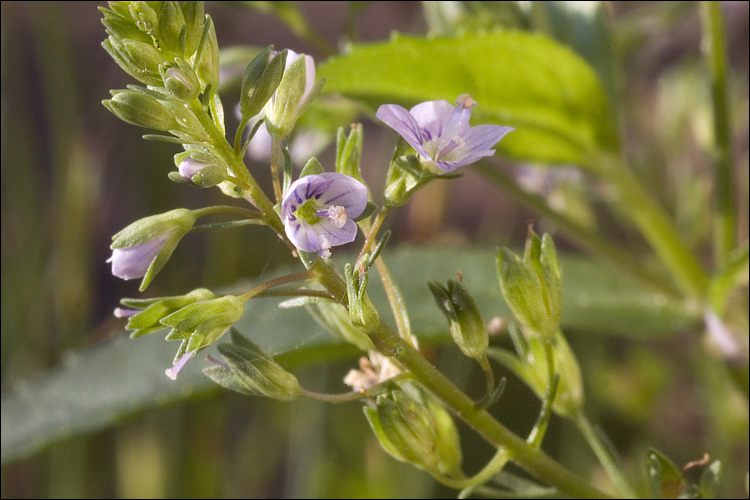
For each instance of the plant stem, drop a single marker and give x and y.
(395, 300)
(714, 47)
(243, 178)
(306, 275)
(604, 456)
(228, 209)
(275, 151)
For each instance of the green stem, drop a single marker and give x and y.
(395, 300)
(306, 275)
(724, 195)
(540, 429)
(489, 377)
(243, 178)
(534, 461)
(604, 456)
(583, 236)
(655, 225)
(275, 152)
(374, 230)
(228, 209)
(333, 398)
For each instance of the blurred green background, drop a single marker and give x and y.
(73, 175)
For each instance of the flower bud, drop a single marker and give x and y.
(145, 314)
(413, 427)
(349, 151)
(260, 81)
(362, 312)
(200, 168)
(466, 325)
(294, 93)
(194, 18)
(146, 18)
(200, 324)
(251, 371)
(207, 57)
(532, 286)
(142, 248)
(140, 109)
(180, 80)
(171, 24)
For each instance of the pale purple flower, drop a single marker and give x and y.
(441, 133)
(318, 211)
(294, 93)
(175, 369)
(133, 262)
(189, 166)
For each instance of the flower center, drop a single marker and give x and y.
(311, 213)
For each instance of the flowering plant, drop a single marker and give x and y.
(317, 211)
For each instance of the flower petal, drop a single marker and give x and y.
(400, 120)
(133, 262)
(484, 137)
(344, 191)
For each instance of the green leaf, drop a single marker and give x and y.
(99, 386)
(548, 93)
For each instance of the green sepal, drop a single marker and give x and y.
(466, 325)
(207, 56)
(362, 313)
(251, 371)
(349, 151)
(312, 167)
(171, 26)
(370, 209)
(260, 81)
(140, 109)
(194, 18)
(153, 310)
(335, 318)
(206, 321)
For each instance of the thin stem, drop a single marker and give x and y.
(374, 230)
(583, 236)
(275, 152)
(495, 465)
(395, 300)
(306, 275)
(228, 209)
(540, 429)
(604, 456)
(489, 376)
(715, 51)
(238, 137)
(334, 398)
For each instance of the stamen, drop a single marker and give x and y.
(338, 216)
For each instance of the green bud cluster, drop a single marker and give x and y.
(251, 371)
(154, 310)
(413, 426)
(362, 312)
(170, 48)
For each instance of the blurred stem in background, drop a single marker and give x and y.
(725, 201)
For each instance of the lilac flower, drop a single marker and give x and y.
(175, 369)
(133, 262)
(142, 248)
(295, 91)
(318, 211)
(441, 133)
